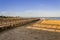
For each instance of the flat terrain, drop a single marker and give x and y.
(48, 25)
(28, 33)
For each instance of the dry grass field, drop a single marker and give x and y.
(48, 25)
(55, 22)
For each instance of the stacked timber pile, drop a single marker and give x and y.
(7, 22)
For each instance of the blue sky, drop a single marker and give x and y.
(30, 8)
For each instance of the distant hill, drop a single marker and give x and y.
(3, 17)
(8, 17)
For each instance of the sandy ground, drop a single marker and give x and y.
(23, 33)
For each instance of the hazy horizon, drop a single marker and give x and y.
(30, 8)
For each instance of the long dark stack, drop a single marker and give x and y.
(9, 22)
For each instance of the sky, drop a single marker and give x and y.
(30, 8)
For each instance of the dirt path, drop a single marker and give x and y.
(22, 33)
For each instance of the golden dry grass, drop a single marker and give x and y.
(48, 25)
(57, 22)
